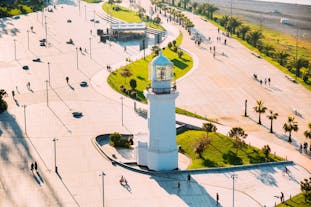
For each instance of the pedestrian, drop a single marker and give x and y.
(286, 170)
(218, 30)
(28, 85)
(31, 166)
(13, 94)
(188, 177)
(91, 32)
(210, 48)
(214, 48)
(85, 50)
(36, 166)
(214, 54)
(282, 197)
(67, 79)
(217, 199)
(300, 149)
(265, 81)
(269, 81)
(225, 42)
(260, 82)
(178, 185)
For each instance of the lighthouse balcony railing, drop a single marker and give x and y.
(168, 90)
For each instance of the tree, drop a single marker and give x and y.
(125, 72)
(238, 134)
(185, 2)
(254, 37)
(3, 103)
(233, 23)
(281, 57)
(289, 126)
(180, 53)
(260, 109)
(272, 116)
(155, 49)
(201, 144)
(266, 150)
(133, 84)
(307, 133)
(305, 187)
(243, 30)
(211, 9)
(209, 127)
(300, 63)
(195, 5)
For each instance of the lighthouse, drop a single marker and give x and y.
(160, 152)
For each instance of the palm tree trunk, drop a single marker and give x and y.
(290, 137)
(271, 130)
(259, 121)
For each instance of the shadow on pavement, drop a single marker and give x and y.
(191, 192)
(15, 155)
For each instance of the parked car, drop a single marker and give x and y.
(36, 60)
(25, 67)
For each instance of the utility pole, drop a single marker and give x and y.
(103, 186)
(14, 49)
(55, 165)
(90, 47)
(94, 18)
(28, 39)
(49, 73)
(47, 93)
(234, 177)
(77, 58)
(46, 30)
(24, 106)
(122, 109)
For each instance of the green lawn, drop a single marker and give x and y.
(296, 201)
(127, 15)
(220, 152)
(92, 1)
(139, 70)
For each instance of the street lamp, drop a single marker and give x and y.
(122, 109)
(245, 108)
(79, 7)
(14, 49)
(46, 30)
(103, 186)
(28, 39)
(90, 47)
(49, 73)
(85, 12)
(55, 166)
(24, 106)
(77, 58)
(234, 177)
(47, 92)
(94, 18)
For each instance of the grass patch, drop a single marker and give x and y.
(296, 201)
(128, 15)
(139, 70)
(220, 153)
(92, 1)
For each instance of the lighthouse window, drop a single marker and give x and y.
(163, 73)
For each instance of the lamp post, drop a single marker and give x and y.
(234, 177)
(24, 106)
(14, 49)
(28, 39)
(79, 7)
(85, 12)
(231, 8)
(122, 109)
(94, 17)
(90, 47)
(46, 30)
(103, 186)
(77, 58)
(47, 93)
(245, 108)
(49, 73)
(55, 165)
(42, 16)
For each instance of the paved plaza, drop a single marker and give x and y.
(216, 87)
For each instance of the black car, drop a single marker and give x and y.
(36, 60)
(25, 67)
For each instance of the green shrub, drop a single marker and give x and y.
(174, 42)
(3, 106)
(170, 45)
(116, 140)
(134, 94)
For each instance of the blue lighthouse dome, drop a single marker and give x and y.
(161, 60)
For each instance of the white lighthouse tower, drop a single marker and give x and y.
(160, 152)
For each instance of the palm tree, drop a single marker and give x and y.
(233, 23)
(300, 63)
(173, 2)
(243, 30)
(272, 116)
(185, 2)
(195, 5)
(260, 109)
(282, 57)
(254, 37)
(307, 133)
(289, 126)
(211, 9)
(224, 21)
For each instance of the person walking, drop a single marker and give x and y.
(31, 166)
(67, 79)
(189, 177)
(217, 199)
(178, 185)
(28, 85)
(13, 94)
(36, 166)
(282, 197)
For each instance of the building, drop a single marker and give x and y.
(160, 151)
